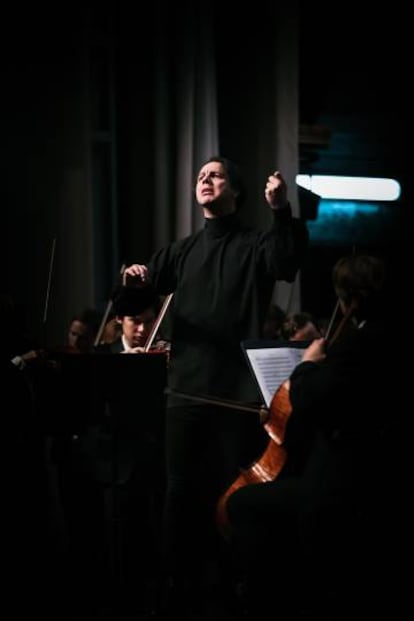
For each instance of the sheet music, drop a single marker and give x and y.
(272, 366)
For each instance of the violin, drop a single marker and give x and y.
(160, 347)
(150, 340)
(151, 345)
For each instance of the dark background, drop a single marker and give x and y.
(353, 83)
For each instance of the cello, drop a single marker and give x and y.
(270, 464)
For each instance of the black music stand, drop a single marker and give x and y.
(132, 387)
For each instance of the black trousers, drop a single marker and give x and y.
(205, 448)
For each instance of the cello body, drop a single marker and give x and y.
(271, 462)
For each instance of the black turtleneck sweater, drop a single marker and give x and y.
(222, 278)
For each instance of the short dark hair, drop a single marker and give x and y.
(359, 277)
(295, 322)
(233, 173)
(132, 301)
(90, 317)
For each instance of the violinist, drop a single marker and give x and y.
(222, 277)
(300, 327)
(322, 524)
(81, 332)
(135, 315)
(134, 433)
(111, 331)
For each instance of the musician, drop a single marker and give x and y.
(323, 521)
(134, 437)
(222, 278)
(81, 332)
(275, 317)
(111, 331)
(300, 327)
(135, 314)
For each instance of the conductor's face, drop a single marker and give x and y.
(213, 191)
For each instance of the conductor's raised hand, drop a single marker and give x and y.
(135, 275)
(276, 191)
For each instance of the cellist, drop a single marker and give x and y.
(313, 523)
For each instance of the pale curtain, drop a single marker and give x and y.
(251, 115)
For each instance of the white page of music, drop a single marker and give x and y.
(272, 366)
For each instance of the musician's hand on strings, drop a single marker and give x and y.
(315, 352)
(134, 350)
